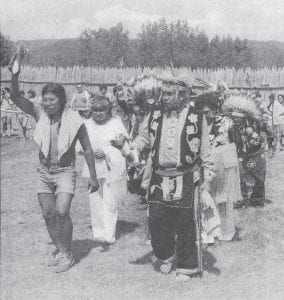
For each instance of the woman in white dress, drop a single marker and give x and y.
(108, 140)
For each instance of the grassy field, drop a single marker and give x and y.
(252, 268)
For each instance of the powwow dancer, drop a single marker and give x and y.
(225, 187)
(108, 139)
(135, 173)
(249, 148)
(146, 96)
(122, 104)
(179, 139)
(57, 130)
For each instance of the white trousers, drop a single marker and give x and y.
(104, 209)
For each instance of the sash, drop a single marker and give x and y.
(173, 188)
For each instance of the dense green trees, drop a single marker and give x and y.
(103, 47)
(6, 47)
(164, 44)
(158, 44)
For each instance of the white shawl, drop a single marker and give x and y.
(70, 124)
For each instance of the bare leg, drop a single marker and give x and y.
(47, 204)
(62, 208)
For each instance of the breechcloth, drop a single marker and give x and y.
(171, 217)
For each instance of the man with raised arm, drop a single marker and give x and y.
(56, 132)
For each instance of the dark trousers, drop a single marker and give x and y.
(257, 196)
(173, 229)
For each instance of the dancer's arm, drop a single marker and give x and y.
(23, 103)
(89, 156)
(207, 161)
(142, 140)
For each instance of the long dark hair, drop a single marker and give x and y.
(56, 89)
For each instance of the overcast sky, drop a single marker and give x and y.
(39, 19)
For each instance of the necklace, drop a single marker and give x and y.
(171, 130)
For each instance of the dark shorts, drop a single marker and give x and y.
(59, 180)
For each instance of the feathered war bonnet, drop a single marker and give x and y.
(123, 92)
(219, 92)
(146, 91)
(241, 105)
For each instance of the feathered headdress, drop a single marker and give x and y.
(221, 88)
(146, 90)
(241, 105)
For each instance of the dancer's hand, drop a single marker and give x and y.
(15, 63)
(11, 63)
(93, 185)
(99, 153)
(118, 142)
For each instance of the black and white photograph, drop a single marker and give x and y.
(142, 149)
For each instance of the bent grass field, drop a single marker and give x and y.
(252, 268)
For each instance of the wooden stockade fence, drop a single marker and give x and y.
(265, 80)
(70, 87)
(233, 77)
(264, 87)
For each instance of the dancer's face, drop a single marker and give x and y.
(100, 116)
(209, 114)
(239, 120)
(170, 100)
(51, 104)
(280, 99)
(139, 113)
(120, 93)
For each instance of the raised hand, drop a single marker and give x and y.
(15, 63)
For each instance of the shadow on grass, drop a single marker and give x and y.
(125, 227)
(143, 260)
(208, 263)
(268, 201)
(237, 237)
(82, 248)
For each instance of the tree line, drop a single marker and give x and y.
(158, 44)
